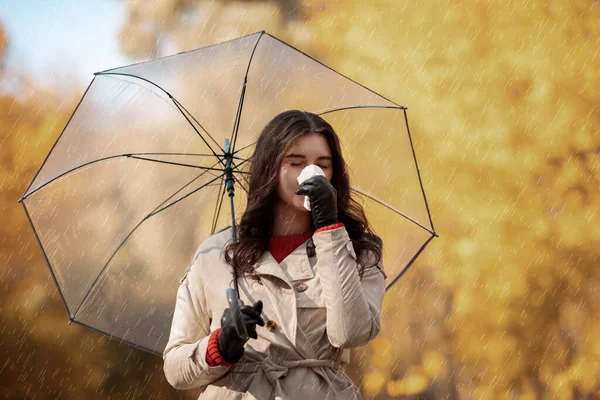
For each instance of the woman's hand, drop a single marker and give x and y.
(323, 200)
(231, 346)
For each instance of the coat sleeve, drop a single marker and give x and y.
(353, 305)
(184, 356)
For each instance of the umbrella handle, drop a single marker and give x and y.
(236, 315)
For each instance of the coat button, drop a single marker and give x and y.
(301, 287)
(271, 325)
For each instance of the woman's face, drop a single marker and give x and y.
(305, 150)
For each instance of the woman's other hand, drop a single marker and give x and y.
(231, 345)
(323, 200)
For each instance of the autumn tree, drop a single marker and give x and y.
(42, 355)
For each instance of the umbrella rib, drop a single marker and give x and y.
(89, 288)
(245, 147)
(243, 162)
(116, 77)
(111, 336)
(177, 104)
(331, 69)
(243, 174)
(219, 203)
(183, 187)
(56, 142)
(180, 164)
(192, 192)
(177, 54)
(330, 110)
(238, 115)
(128, 155)
(60, 292)
(410, 263)
(213, 185)
(241, 185)
(173, 154)
(370, 196)
(222, 190)
(418, 173)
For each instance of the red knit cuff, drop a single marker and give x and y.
(330, 227)
(213, 356)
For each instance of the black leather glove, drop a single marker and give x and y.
(323, 200)
(231, 346)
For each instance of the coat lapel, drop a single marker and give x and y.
(267, 266)
(278, 281)
(280, 295)
(296, 264)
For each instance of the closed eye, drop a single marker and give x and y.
(299, 164)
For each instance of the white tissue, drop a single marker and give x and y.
(308, 172)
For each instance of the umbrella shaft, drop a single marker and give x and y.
(230, 191)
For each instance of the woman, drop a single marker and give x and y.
(314, 278)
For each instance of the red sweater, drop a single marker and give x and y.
(279, 247)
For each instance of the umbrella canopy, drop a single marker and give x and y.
(136, 180)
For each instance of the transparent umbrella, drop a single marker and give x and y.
(155, 159)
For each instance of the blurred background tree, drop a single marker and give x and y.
(504, 107)
(42, 355)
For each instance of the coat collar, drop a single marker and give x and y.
(296, 266)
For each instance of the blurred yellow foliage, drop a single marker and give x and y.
(502, 104)
(44, 356)
(373, 382)
(415, 382)
(435, 364)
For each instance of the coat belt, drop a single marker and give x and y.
(274, 372)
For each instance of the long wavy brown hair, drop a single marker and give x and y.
(255, 225)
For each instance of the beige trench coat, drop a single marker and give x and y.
(316, 323)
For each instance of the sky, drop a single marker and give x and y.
(71, 37)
